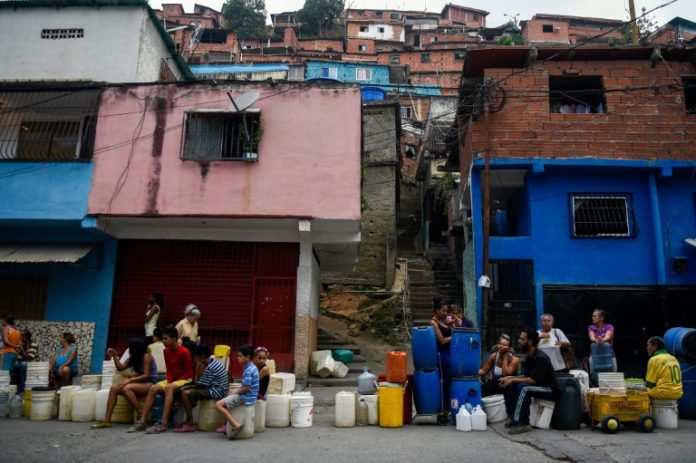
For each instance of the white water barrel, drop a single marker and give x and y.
(65, 402)
(37, 375)
(83, 405)
(301, 408)
(42, 403)
(100, 405)
(91, 382)
(345, 409)
(260, 418)
(277, 411)
(245, 415)
(209, 418)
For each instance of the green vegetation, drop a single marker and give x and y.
(318, 16)
(246, 17)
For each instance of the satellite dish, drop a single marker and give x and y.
(243, 101)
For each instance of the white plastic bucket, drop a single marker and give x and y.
(540, 413)
(494, 406)
(65, 402)
(277, 411)
(208, 417)
(301, 405)
(245, 415)
(260, 418)
(666, 414)
(42, 404)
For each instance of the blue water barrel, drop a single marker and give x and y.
(373, 94)
(681, 342)
(424, 347)
(602, 358)
(465, 352)
(567, 414)
(427, 391)
(687, 404)
(464, 390)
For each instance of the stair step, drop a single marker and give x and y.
(350, 380)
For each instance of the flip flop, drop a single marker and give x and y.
(235, 431)
(185, 428)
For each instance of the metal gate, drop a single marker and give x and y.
(221, 278)
(511, 302)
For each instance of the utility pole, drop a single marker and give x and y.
(634, 25)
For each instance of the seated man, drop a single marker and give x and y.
(213, 384)
(179, 373)
(539, 380)
(245, 395)
(664, 376)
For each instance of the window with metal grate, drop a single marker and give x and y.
(602, 215)
(24, 297)
(55, 34)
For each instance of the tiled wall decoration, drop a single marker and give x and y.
(46, 335)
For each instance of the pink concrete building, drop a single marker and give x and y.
(235, 211)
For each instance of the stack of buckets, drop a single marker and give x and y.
(428, 374)
(393, 397)
(680, 342)
(465, 359)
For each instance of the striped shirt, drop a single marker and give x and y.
(215, 379)
(32, 351)
(250, 378)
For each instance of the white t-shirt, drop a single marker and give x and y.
(151, 324)
(550, 348)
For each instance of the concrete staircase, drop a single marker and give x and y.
(326, 341)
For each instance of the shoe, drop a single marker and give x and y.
(137, 427)
(235, 431)
(156, 429)
(185, 428)
(222, 429)
(509, 423)
(519, 429)
(100, 425)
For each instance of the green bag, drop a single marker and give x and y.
(343, 355)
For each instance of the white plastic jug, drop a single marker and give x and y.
(102, 399)
(478, 419)
(16, 406)
(345, 409)
(366, 383)
(277, 411)
(66, 402)
(463, 419)
(84, 402)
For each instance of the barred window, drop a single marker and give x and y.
(24, 297)
(602, 215)
(222, 136)
(55, 34)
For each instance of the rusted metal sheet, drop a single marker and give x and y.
(13, 253)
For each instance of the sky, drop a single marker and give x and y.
(498, 9)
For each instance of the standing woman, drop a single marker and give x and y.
(135, 387)
(260, 358)
(63, 365)
(11, 342)
(443, 334)
(551, 340)
(601, 333)
(188, 326)
(155, 304)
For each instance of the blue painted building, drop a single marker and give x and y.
(56, 267)
(584, 211)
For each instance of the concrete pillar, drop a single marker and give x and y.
(306, 303)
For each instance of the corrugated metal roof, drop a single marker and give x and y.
(14, 253)
(236, 68)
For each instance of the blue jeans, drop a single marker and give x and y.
(518, 397)
(8, 359)
(20, 367)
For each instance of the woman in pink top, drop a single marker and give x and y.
(601, 333)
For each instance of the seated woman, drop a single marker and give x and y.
(63, 365)
(501, 363)
(145, 369)
(188, 326)
(260, 357)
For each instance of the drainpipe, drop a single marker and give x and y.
(659, 247)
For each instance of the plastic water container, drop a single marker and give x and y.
(478, 419)
(42, 399)
(343, 355)
(245, 415)
(372, 94)
(366, 383)
(260, 418)
(681, 342)
(91, 382)
(123, 411)
(427, 391)
(26, 411)
(270, 363)
(568, 411)
(465, 352)
(494, 406)
(83, 404)
(396, 367)
(15, 406)
(277, 411)
(345, 409)
(301, 409)
(391, 405)
(687, 404)
(4, 404)
(666, 414)
(65, 402)
(465, 390)
(208, 417)
(100, 405)
(602, 358)
(540, 413)
(367, 412)
(463, 419)
(322, 363)
(157, 409)
(424, 347)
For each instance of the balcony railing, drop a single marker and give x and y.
(48, 125)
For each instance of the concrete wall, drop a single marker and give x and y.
(110, 51)
(308, 161)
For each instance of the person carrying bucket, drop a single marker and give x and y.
(664, 376)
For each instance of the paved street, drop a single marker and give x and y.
(53, 441)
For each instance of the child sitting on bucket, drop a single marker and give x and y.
(245, 395)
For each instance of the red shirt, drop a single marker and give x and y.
(179, 365)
